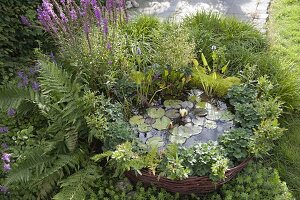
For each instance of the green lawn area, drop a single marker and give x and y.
(284, 36)
(284, 30)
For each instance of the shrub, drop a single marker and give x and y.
(18, 40)
(256, 182)
(236, 144)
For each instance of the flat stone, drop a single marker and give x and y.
(149, 135)
(199, 121)
(142, 137)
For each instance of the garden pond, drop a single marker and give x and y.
(183, 122)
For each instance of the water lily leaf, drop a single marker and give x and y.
(210, 124)
(172, 104)
(155, 113)
(136, 120)
(175, 130)
(172, 114)
(212, 112)
(187, 104)
(176, 139)
(144, 127)
(155, 142)
(196, 130)
(198, 121)
(162, 123)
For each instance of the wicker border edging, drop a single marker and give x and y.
(193, 184)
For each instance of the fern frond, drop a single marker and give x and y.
(71, 138)
(12, 96)
(32, 160)
(78, 185)
(63, 166)
(57, 83)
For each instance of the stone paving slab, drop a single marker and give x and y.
(253, 11)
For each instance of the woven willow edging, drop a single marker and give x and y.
(193, 184)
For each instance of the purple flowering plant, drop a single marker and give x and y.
(27, 78)
(64, 18)
(6, 157)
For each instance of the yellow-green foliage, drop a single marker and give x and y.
(214, 83)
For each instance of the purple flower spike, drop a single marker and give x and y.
(105, 27)
(6, 157)
(98, 14)
(25, 21)
(3, 129)
(63, 17)
(4, 146)
(84, 3)
(110, 62)
(11, 112)
(73, 14)
(62, 1)
(108, 46)
(86, 28)
(94, 3)
(109, 5)
(35, 86)
(6, 167)
(3, 189)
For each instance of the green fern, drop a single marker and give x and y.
(63, 166)
(56, 83)
(64, 105)
(32, 160)
(12, 96)
(79, 185)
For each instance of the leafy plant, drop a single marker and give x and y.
(264, 136)
(206, 159)
(256, 182)
(64, 150)
(236, 144)
(173, 165)
(243, 93)
(246, 115)
(212, 78)
(19, 37)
